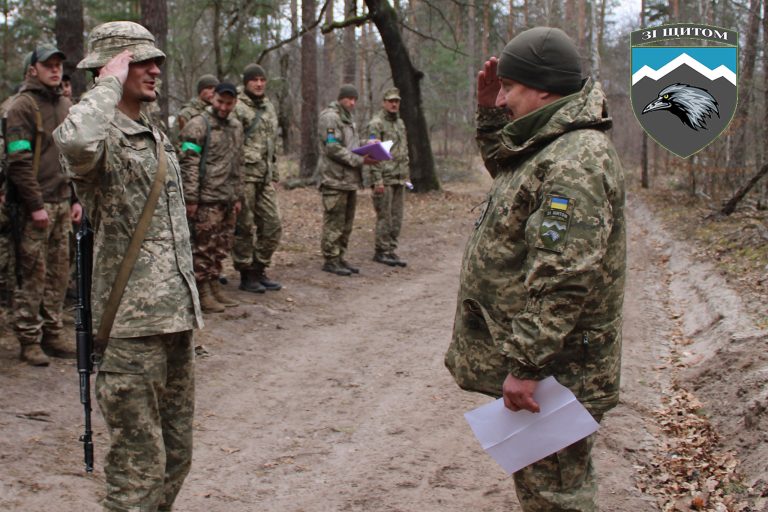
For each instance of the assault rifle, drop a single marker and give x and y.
(84, 330)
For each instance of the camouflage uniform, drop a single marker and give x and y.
(259, 217)
(145, 383)
(542, 279)
(44, 253)
(216, 192)
(393, 174)
(193, 108)
(340, 177)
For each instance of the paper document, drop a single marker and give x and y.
(518, 439)
(377, 150)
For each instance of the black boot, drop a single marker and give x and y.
(248, 283)
(345, 263)
(381, 257)
(394, 257)
(335, 267)
(263, 280)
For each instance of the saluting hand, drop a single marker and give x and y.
(488, 84)
(118, 66)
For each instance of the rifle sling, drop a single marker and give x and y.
(132, 254)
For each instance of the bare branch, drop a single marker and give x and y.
(430, 38)
(297, 35)
(356, 21)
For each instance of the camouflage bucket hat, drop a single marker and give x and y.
(108, 40)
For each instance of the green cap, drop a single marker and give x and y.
(348, 91)
(543, 58)
(44, 52)
(206, 81)
(252, 71)
(393, 93)
(108, 40)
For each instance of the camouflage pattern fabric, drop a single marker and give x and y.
(338, 217)
(339, 168)
(213, 225)
(223, 179)
(145, 389)
(193, 108)
(542, 279)
(563, 482)
(389, 217)
(259, 119)
(259, 228)
(44, 259)
(113, 162)
(388, 126)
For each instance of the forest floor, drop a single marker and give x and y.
(331, 395)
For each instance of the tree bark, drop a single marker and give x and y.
(730, 206)
(330, 69)
(309, 145)
(154, 16)
(407, 78)
(69, 39)
(747, 72)
(350, 44)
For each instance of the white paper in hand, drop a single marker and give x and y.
(518, 439)
(388, 145)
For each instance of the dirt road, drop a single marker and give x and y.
(331, 394)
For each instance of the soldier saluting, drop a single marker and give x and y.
(120, 161)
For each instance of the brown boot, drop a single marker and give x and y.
(54, 345)
(34, 355)
(221, 297)
(208, 302)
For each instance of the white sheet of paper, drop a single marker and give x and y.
(518, 439)
(388, 144)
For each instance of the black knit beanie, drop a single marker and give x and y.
(252, 71)
(348, 91)
(206, 81)
(543, 58)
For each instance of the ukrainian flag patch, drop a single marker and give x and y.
(553, 231)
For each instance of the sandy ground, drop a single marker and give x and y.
(331, 394)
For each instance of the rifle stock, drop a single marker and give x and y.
(84, 331)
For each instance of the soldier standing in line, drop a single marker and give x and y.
(389, 178)
(542, 281)
(48, 207)
(205, 87)
(258, 228)
(340, 173)
(145, 381)
(213, 185)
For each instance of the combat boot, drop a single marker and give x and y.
(335, 267)
(248, 283)
(53, 345)
(381, 257)
(208, 302)
(394, 257)
(261, 277)
(34, 355)
(221, 297)
(349, 267)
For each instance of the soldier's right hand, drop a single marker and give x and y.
(488, 84)
(118, 66)
(40, 218)
(369, 160)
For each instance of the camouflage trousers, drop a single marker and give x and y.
(338, 218)
(258, 228)
(563, 482)
(213, 227)
(389, 217)
(145, 388)
(44, 260)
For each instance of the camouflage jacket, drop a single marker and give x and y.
(542, 279)
(51, 184)
(386, 126)
(223, 178)
(339, 168)
(113, 161)
(259, 120)
(194, 107)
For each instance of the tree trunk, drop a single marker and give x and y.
(218, 61)
(69, 39)
(350, 44)
(730, 206)
(511, 21)
(154, 16)
(407, 79)
(746, 78)
(309, 145)
(472, 51)
(330, 69)
(594, 46)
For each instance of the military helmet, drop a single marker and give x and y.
(108, 40)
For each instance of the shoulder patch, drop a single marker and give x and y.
(330, 137)
(553, 231)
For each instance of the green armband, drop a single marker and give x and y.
(19, 145)
(191, 145)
